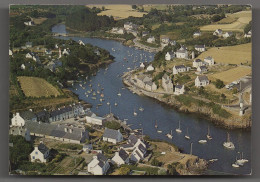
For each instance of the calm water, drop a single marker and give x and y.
(167, 118)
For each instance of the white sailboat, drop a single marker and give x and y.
(208, 135)
(156, 126)
(169, 135)
(119, 94)
(115, 104)
(159, 131)
(135, 113)
(228, 144)
(241, 161)
(202, 141)
(178, 130)
(235, 165)
(187, 135)
(108, 103)
(141, 109)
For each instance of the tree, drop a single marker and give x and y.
(123, 171)
(219, 84)
(201, 91)
(134, 6)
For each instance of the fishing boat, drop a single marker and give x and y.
(213, 160)
(141, 109)
(94, 94)
(98, 92)
(228, 144)
(100, 100)
(102, 95)
(155, 124)
(135, 113)
(208, 135)
(187, 135)
(202, 141)
(178, 130)
(128, 68)
(235, 165)
(169, 135)
(86, 95)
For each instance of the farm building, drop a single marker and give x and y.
(92, 118)
(182, 53)
(20, 130)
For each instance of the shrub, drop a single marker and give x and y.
(219, 84)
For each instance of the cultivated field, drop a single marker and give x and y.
(230, 54)
(37, 87)
(148, 7)
(233, 22)
(233, 74)
(118, 11)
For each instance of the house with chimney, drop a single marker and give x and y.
(20, 130)
(218, 32)
(179, 69)
(197, 62)
(201, 69)
(41, 153)
(179, 89)
(19, 119)
(113, 136)
(92, 118)
(169, 56)
(209, 61)
(182, 53)
(201, 81)
(99, 165)
(167, 84)
(120, 157)
(200, 48)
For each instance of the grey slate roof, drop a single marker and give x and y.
(180, 66)
(165, 76)
(199, 46)
(102, 159)
(198, 60)
(203, 78)
(55, 130)
(110, 133)
(17, 130)
(61, 111)
(132, 139)
(203, 67)
(122, 153)
(141, 148)
(179, 86)
(42, 148)
(27, 115)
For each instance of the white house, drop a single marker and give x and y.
(81, 43)
(169, 56)
(22, 66)
(92, 118)
(197, 62)
(150, 86)
(200, 48)
(121, 157)
(202, 69)
(130, 26)
(40, 153)
(99, 165)
(197, 34)
(201, 81)
(145, 34)
(209, 60)
(20, 119)
(132, 142)
(66, 51)
(29, 23)
(248, 34)
(179, 69)
(182, 53)
(179, 89)
(165, 40)
(218, 32)
(150, 68)
(138, 153)
(227, 34)
(117, 30)
(33, 56)
(142, 65)
(113, 136)
(10, 52)
(151, 39)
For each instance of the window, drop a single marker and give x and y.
(36, 153)
(33, 157)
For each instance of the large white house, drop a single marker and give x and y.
(33, 56)
(201, 81)
(179, 69)
(121, 157)
(197, 62)
(182, 53)
(92, 118)
(179, 89)
(20, 119)
(113, 136)
(209, 60)
(40, 153)
(169, 56)
(200, 48)
(99, 165)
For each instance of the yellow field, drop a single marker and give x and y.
(37, 87)
(119, 11)
(148, 7)
(230, 54)
(232, 74)
(38, 21)
(242, 18)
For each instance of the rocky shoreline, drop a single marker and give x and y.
(202, 111)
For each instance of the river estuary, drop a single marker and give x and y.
(126, 58)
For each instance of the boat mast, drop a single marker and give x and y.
(191, 148)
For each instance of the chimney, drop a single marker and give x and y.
(70, 130)
(66, 130)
